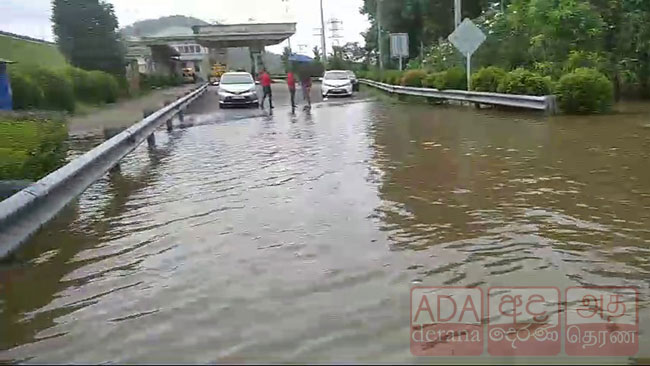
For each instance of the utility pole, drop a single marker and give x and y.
(457, 13)
(381, 60)
(322, 32)
(286, 10)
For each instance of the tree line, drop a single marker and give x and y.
(546, 36)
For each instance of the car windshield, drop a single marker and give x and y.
(236, 79)
(337, 75)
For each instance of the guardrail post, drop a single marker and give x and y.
(108, 134)
(169, 123)
(181, 116)
(151, 139)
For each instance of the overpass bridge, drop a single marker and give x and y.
(219, 37)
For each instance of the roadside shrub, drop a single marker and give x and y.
(453, 78)
(393, 77)
(456, 78)
(105, 87)
(27, 94)
(31, 148)
(414, 78)
(81, 84)
(585, 90)
(487, 79)
(57, 89)
(521, 81)
(435, 80)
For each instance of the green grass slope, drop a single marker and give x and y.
(28, 52)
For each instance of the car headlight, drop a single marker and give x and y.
(223, 93)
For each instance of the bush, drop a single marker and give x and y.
(453, 78)
(414, 78)
(456, 78)
(27, 94)
(31, 148)
(585, 91)
(435, 80)
(57, 89)
(525, 82)
(105, 87)
(487, 79)
(81, 84)
(393, 77)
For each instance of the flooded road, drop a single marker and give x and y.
(297, 238)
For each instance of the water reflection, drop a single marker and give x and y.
(516, 195)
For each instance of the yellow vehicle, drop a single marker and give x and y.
(217, 71)
(189, 75)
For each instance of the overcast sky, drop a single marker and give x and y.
(32, 17)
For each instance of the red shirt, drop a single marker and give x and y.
(291, 81)
(265, 79)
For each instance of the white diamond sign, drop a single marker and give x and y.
(467, 37)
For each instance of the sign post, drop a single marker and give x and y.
(467, 38)
(399, 46)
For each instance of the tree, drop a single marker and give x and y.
(86, 32)
(353, 52)
(425, 21)
(285, 58)
(335, 60)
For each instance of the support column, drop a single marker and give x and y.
(256, 59)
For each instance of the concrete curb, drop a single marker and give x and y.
(545, 103)
(26, 211)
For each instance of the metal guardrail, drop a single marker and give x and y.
(26, 211)
(543, 103)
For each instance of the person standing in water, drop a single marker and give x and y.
(265, 80)
(291, 83)
(305, 82)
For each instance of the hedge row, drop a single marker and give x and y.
(583, 90)
(36, 87)
(152, 81)
(30, 149)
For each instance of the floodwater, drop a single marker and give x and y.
(283, 238)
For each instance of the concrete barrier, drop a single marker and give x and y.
(26, 211)
(545, 103)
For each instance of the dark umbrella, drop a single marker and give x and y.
(300, 58)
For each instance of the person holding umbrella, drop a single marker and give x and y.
(304, 74)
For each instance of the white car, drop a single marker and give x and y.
(336, 82)
(237, 88)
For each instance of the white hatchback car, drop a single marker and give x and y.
(237, 88)
(336, 82)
